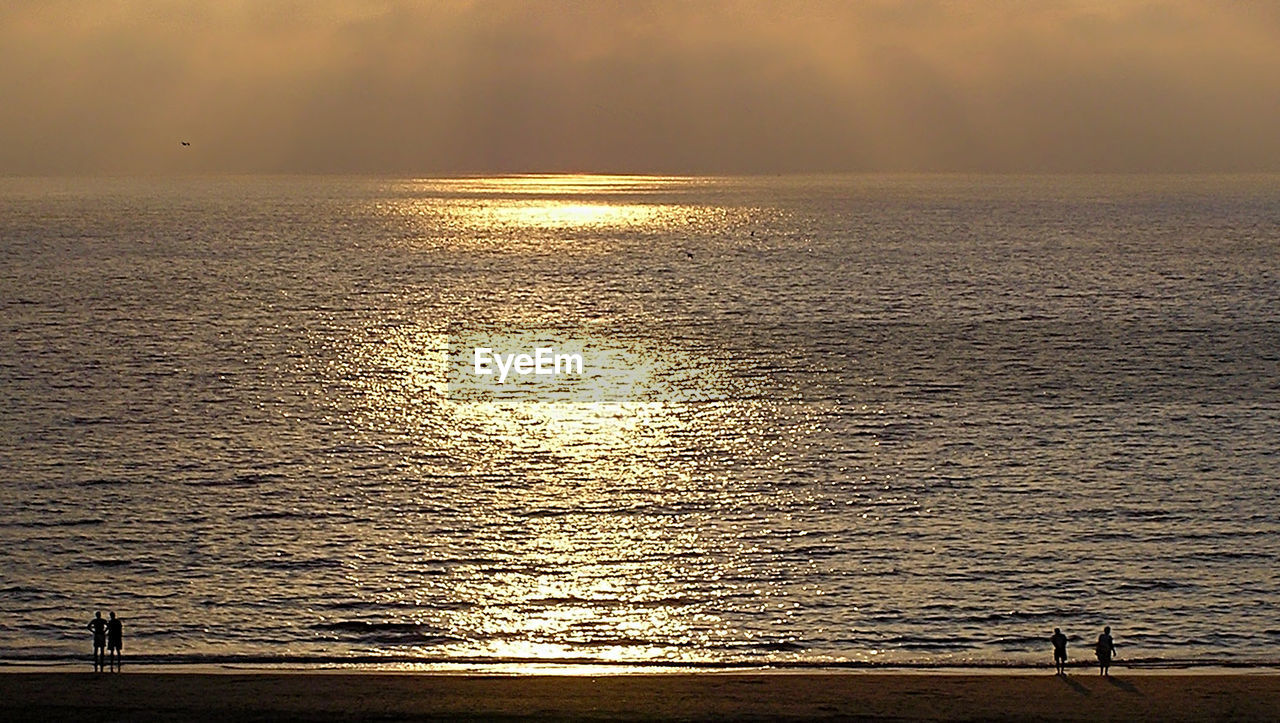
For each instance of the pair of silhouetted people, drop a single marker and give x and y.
(1105, 648)
(108, 640)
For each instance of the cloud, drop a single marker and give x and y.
(455, 87)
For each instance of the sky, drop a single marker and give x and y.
(633, 86)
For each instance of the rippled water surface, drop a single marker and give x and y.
(868, 418)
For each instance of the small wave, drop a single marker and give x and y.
(1146, 514)
(1012, 615)
(553, 512)
(80, 421)
(286, 563)
(252, 479)
(1018, 642)
(375, 607)
(387, 632)
(41, 524)
(659, 602)
(573, 600)
(293, 515)
(626, 642)
(361, 626)
(772, 646)
(922, 642)
(103, 481)
(1144, 585)
(1227, 556)
(274, 515)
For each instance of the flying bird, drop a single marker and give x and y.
(186, 143)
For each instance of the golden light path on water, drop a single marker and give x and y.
(603, 449)
(584, 564)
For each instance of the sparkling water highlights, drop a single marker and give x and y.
(862, 419)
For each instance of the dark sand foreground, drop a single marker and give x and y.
(392, 696)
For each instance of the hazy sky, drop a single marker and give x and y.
(386, 86)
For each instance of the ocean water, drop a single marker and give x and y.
(865, 420)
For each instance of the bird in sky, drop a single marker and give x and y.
(186, 143)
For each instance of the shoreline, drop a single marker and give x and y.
(571, 668)
(480, 665)
(383, 695)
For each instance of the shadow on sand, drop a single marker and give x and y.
(1124, 685)
(1074, 685)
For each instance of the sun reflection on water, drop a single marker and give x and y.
(584, 543)
(579, 521)
(578, 214)
(552, 215)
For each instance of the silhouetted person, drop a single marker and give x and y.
(115, 641)
(1105, 649)
(1059, 650)
(99, 628)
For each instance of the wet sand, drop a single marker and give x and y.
(148, 696)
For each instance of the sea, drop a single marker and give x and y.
(893, 421)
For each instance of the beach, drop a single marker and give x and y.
(146, 696)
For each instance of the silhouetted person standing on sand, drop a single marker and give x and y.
(1106, 648)
(115, 641)
(99, 628)
(1059, 650)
